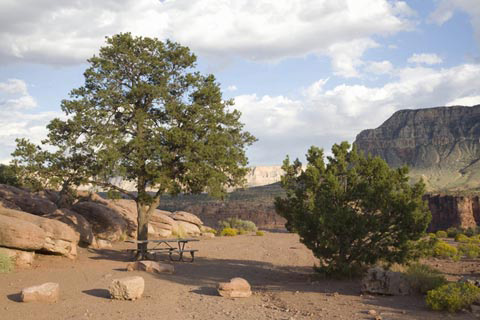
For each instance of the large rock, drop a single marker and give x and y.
(78, 223)
(19, 234)
(380, 281)
(106, 223)
(186, 217)
(21, 259)
(129, 288)
(150, 266)
(47, 292)
(58, 237)
(453, 211)
(236, 288)
(27, 201)
(188, 228)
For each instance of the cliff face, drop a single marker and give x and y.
(441, 144)
(453, 211)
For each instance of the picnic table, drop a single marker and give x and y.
(174, 247)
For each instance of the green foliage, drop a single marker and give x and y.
(352, 210)
(242, 231)
(236, 223)
(424, 278)
(146, 115)
(470, 250)
(441, 234)
(445, 251)
(6, 263)
(260, 233)
(228, 232)
(453, 296)
(422, 248)
(452, 232)
(461, 238)
(470, 232)
(8, 176)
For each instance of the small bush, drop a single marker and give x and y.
(470, 232)
(236, 223)
(461, 238)
(260, 233)
(453, 296)
(424, 278)
(445, 251)
(452, 232)
(471, 250)
(441, 234)
(242, 231)
(6, 263)
(422, 248)
(229, 232)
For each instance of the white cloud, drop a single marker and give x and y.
(325, 116)
(232, 88)
(446, 9)
(379, 67)
(425, 58)
(18, 117)
(465, 101)
(66, 32)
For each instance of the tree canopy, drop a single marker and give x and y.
(146, 115)
(352, 210)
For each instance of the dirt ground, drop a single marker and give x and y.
(277, 265)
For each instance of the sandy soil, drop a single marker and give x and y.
(277, 266)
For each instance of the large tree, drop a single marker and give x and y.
(146, 115)
(352, 210)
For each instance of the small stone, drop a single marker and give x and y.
(372, 312)
(129, 288)
(47, 292)
(150, 266)
(236, 288)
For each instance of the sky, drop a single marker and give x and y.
(302, 72)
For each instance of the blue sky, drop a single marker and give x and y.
(304, 72)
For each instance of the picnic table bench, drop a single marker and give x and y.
(175, 252)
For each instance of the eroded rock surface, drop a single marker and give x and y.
(236, 288)
(129, 288)
(48, 292)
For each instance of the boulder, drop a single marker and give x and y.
(103, 244)
(129, 288)
(9, 205)
(77, 222)
(154, 231)
(236, 288)
(21, 259)
(27, 201)
(106, 223)
(58, 237)
(187, 217)
(207, 235)
(380, 281)
(188, 228)
(47, 292)
(19, 234)
(150, 266)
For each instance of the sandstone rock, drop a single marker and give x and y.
(236, 288)
(158, 232)
(186, 217)
(103, 244)
(22, 259)
(453, 211)
(58, 238)
(77, 222)
(27, 201)
(106, 223)
(188, 228)
(47, 292)
(19, 234)
(150, 266)
(162, 217)
(207, 235)
(129, 288)
(380, 281)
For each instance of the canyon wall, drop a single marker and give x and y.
(453, 211)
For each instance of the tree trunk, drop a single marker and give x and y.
(142, 231)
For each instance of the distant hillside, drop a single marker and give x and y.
(441, 145)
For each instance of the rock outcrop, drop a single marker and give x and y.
(236, 288)
(441, 145)
(385, 282)
(15, 198)
(453, 211)
(129, 288)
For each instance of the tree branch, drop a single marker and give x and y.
(114, 187)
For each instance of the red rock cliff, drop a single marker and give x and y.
(453, 211)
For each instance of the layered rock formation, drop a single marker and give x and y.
(441, 145)
(453, 211)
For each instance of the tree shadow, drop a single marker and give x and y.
(99, 293)
(111, 254)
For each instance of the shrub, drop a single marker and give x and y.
(422, 248)
(237, 223)
(229, 232)
(461, 238)
(471, 250)
(441, 234)
(424, 278)
(452, 232)
(8, 175)
(242, 231)
(260, 233)
(470, 232)
(453, 296)
(445, 251)
(352, 210)
(6, 263)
